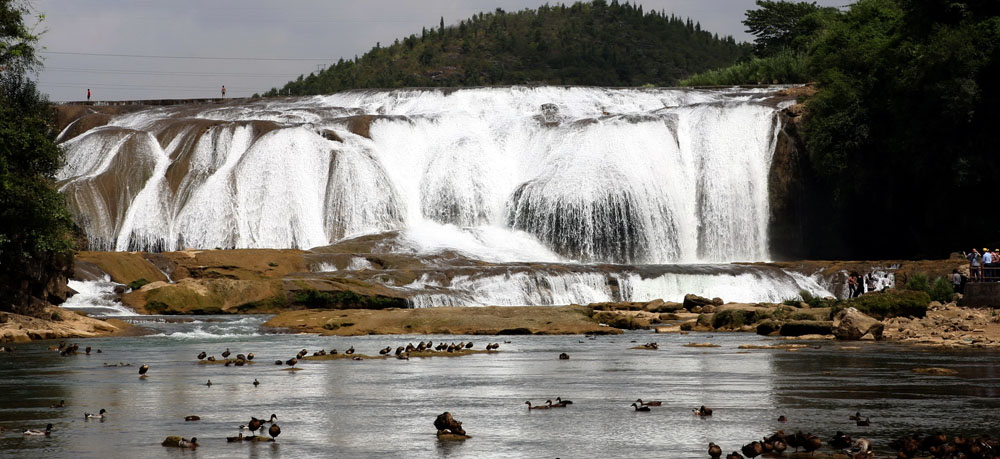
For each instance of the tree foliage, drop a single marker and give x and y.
(35, 247)
(598, 43)
(784, 26)
(901, 132)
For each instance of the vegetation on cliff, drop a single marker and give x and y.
(598, 43)
(900, 134)
(35, 227)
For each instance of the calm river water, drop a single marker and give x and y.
(385, 408)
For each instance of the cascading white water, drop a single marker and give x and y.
(539, 287)
(586, 174)
(97, 298)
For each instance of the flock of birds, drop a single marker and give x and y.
(935, 445)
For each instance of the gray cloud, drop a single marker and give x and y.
(300, 29)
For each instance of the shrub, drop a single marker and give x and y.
(784, 67)
(918, 281)
(137, 284)
(890, 303)
(941, 290)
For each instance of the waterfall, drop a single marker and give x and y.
(632, 176)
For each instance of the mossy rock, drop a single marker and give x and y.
(737, 318)
(768, 327)
(806, 327)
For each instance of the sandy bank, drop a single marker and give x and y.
(58, 324)
(513, 320)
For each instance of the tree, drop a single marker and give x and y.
(780, 25)
(35, 227)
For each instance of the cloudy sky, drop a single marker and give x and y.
(152, 49)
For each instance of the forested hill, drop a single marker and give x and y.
(598, 43)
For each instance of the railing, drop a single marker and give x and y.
(989, 272)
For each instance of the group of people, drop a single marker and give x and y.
(858, 284)
(985, 266)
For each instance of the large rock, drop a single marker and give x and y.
(851, 324)
(691, 300)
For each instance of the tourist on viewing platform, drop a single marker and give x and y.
(987, 265)
(223, 91)
(975, 270)
(956, 281)
(88, 94)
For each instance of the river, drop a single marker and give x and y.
(385, 408)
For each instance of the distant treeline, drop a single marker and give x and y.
(598, 43)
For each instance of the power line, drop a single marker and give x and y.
(147, 72)
(60, 84)
(325, 59)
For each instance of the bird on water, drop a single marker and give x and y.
(32, 432)
(640, 408)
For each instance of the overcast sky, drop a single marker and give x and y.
(253, 45)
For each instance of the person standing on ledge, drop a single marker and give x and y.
(223, 91)
(88, 94)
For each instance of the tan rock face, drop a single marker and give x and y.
(57, 323)
(851, 324)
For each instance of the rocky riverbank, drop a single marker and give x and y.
(936, 325)
(58, 323)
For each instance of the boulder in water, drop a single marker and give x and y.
(851, 324)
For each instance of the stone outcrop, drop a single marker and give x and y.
(851, 324)
(58, 323)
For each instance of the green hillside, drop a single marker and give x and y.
(598, 43)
